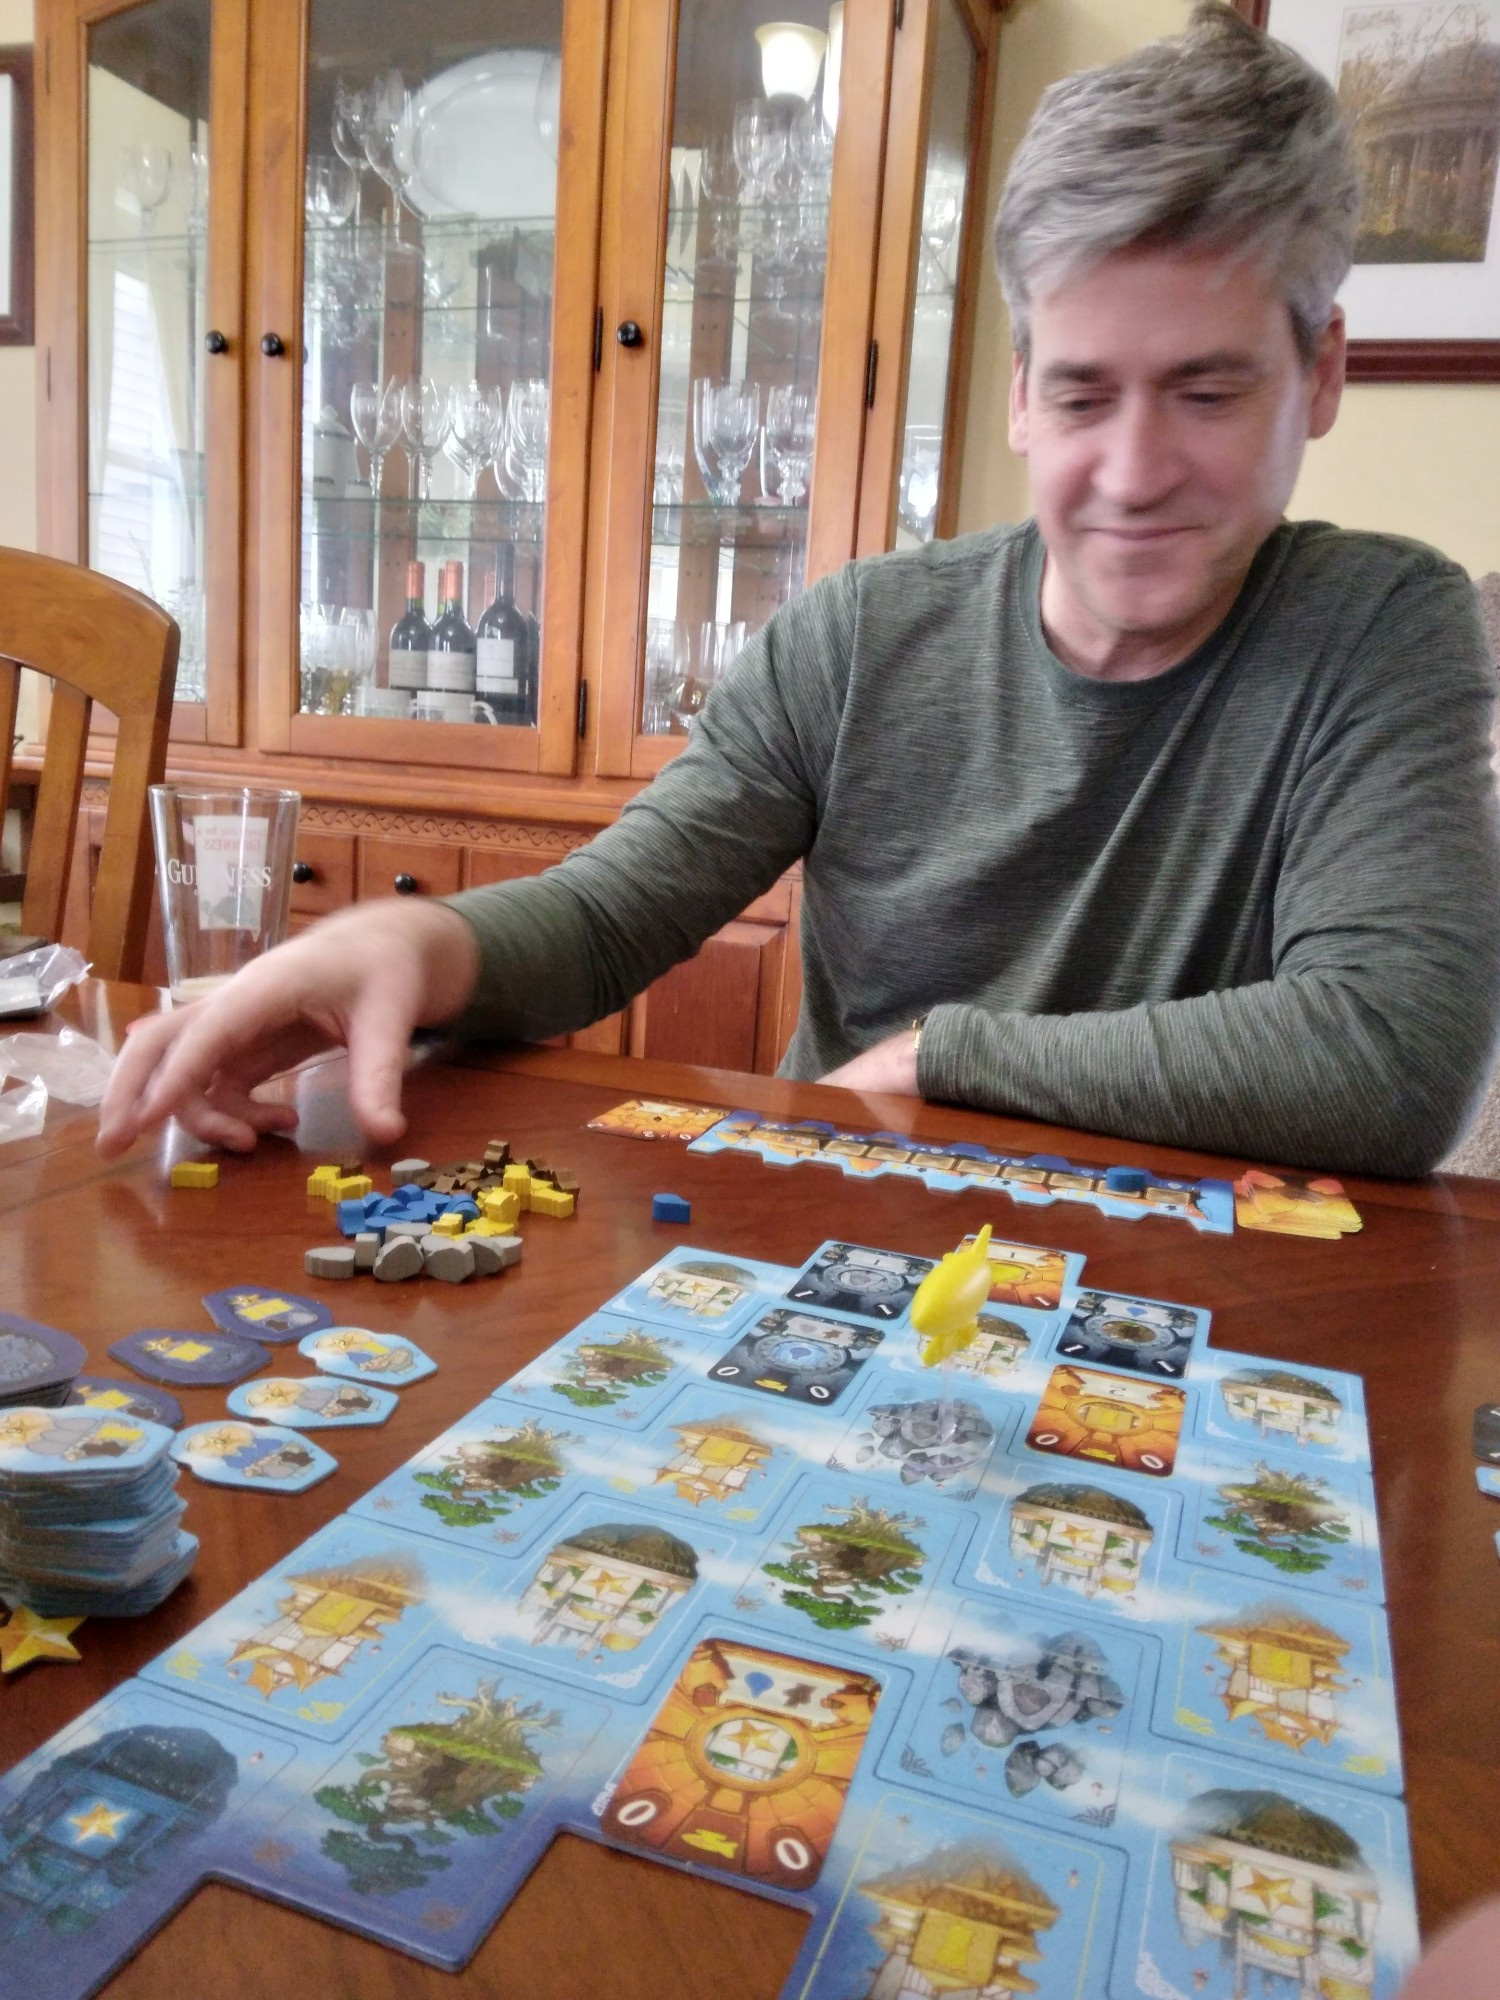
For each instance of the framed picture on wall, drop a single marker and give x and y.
(17, 258)
(1420, 82)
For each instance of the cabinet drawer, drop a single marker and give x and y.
(330, 856)
(435, 870)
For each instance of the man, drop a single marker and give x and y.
(1155, 815)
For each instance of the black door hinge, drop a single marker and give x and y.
(872, 365)
(598, 338)
(900, 12)
(583, 709)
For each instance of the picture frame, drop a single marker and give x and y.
(1423, 299)
(17, 200)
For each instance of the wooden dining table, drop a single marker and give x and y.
(1411, 1303)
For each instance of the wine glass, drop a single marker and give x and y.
(332, 189)
(529, 415)
(788, 439)
(471, 432)
(197, 220)
(376, 416)
(148, 174)
(665, 667)
(719, 188)
(351, 120)
(762, 136)
(546, 106)
(424, 423)
(917, 489)
(811, 142)
(390, 111)
(726, 423)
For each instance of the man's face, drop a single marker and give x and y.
(1163, 415)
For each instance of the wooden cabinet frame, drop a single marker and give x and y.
(510, 800)
(62, 328)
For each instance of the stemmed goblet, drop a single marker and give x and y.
(726, 423)
(788, 437)
(471, 432)
(529, 419)
(376, 416)
(425, 422)
(148, 174)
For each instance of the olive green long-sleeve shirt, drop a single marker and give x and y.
(1250, 905)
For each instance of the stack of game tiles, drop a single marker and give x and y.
(38, 1364)
(89, 1513)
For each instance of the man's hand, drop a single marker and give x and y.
(890, 1068)
(363, 980)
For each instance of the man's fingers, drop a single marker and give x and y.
(379, 1038)
(146, 1042)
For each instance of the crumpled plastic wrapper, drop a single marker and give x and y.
(70, 1065)
(23, 1112)
(33, 981)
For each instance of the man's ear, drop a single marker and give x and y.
(1020, 414)
(1328, 376)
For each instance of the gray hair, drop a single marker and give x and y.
(1218, 137)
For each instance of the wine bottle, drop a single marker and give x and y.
(410, 636)
(450, 649)
(503, 641)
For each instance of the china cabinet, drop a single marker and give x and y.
(470, 379)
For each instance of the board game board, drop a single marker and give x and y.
(1061, 1670)
(1034, 1179)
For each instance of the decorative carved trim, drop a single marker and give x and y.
(538, 838)
(534, 839)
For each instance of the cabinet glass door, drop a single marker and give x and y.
(926, 439)
(148, 160)
(753, 127)
(430, 217)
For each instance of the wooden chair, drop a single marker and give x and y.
(99, 641)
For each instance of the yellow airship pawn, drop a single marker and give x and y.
(945, 1311)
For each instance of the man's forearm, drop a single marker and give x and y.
(1304, 1070)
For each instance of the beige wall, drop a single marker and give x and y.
(18, 408)
(1413, 460)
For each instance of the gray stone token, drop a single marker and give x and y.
(399, 1258)
(415, 1230)
(489, 1262)
(337, 1261)
(366, 1250)
(451, 1260)
(509, 1248)
(407, 1170)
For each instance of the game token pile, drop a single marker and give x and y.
(89, 1514)
(38, 1364)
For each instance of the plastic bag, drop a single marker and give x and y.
(70, 1065)
(33, 981)
(23, 1112)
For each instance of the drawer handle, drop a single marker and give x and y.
(406, 885)
(303, 871)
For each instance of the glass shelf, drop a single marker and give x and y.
(699, 523)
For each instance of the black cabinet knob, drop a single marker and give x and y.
(272, 344)
(629, 334)
(303, 871)
(216, 342)
(406, 885)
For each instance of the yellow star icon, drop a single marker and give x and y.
(27, 1637)
(100, 1822)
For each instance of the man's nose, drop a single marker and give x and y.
(1139, 464)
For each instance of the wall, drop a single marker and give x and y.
(18, 408)
(1413, 460)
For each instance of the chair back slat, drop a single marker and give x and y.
(99, 641)
(10, 696)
